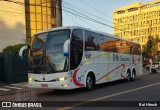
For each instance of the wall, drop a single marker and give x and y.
(12, 23)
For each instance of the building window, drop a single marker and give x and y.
(144, 16)
(149, 5)
(158, 3)
(121, 12)
(132, 9)
(143, 7)
(40, 15)
(134, 32)
(156, 29)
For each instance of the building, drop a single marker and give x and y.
(20, 19)
(138, 21)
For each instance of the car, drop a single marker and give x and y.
(155, 67)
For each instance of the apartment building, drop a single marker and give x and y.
(138, 21)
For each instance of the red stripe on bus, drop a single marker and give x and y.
(75, 79)
(111, 72)
(122, 76)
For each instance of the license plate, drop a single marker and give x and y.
(44, 85)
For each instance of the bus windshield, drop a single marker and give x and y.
(47, 52)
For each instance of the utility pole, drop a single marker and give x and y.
(59, 13)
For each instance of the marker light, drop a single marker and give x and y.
(30, 79)
(62, 78)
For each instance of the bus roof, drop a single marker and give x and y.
(79, 27)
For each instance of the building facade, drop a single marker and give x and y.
(20, 19)
(138, 21)
(12, 23)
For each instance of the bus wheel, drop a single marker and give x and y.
(153, 71)
(133, 75)
(89, 82)
(128, 78)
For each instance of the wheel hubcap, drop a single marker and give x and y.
(133, 76)
(89, 82)
(128, 77)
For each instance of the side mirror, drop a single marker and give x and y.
(21, 51)
(66, 47)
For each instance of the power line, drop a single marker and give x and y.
(95, 8)
(88, 23)
(85, 12)
(86, 17)
(83, 21)
(91, 19)
(79, 15)
(23, 13)
(73, 19)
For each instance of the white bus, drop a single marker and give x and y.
(74, 57)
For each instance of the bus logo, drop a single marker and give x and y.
(6, 104)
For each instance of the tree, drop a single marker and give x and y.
(151, 47)
(13, 49)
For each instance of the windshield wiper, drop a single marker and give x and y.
(41, 60)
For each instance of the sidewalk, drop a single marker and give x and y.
(145, 71)
(6, 89)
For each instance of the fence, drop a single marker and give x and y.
(1, 69)
(15, 69)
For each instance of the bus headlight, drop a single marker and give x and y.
(30, 79)
(64, 85)
(61, 78)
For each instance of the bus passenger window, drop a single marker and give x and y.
(76, 48)
(90, 41)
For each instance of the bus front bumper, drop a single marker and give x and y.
(50, 85)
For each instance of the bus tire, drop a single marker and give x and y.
(153, 71)
(89, 82)
(133, 75)
(128, 77)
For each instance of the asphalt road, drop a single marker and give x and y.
(145, 88)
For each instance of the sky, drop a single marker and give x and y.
(99, 10)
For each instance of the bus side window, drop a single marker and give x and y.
(76, 49)
(104, 46)
(90, 41)
(136, 49)
(100, 40)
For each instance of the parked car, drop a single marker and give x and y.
(155, 68)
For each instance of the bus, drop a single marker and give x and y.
(73, 57)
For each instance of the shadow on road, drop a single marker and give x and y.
(98, 87)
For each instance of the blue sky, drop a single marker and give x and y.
(105, 7)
